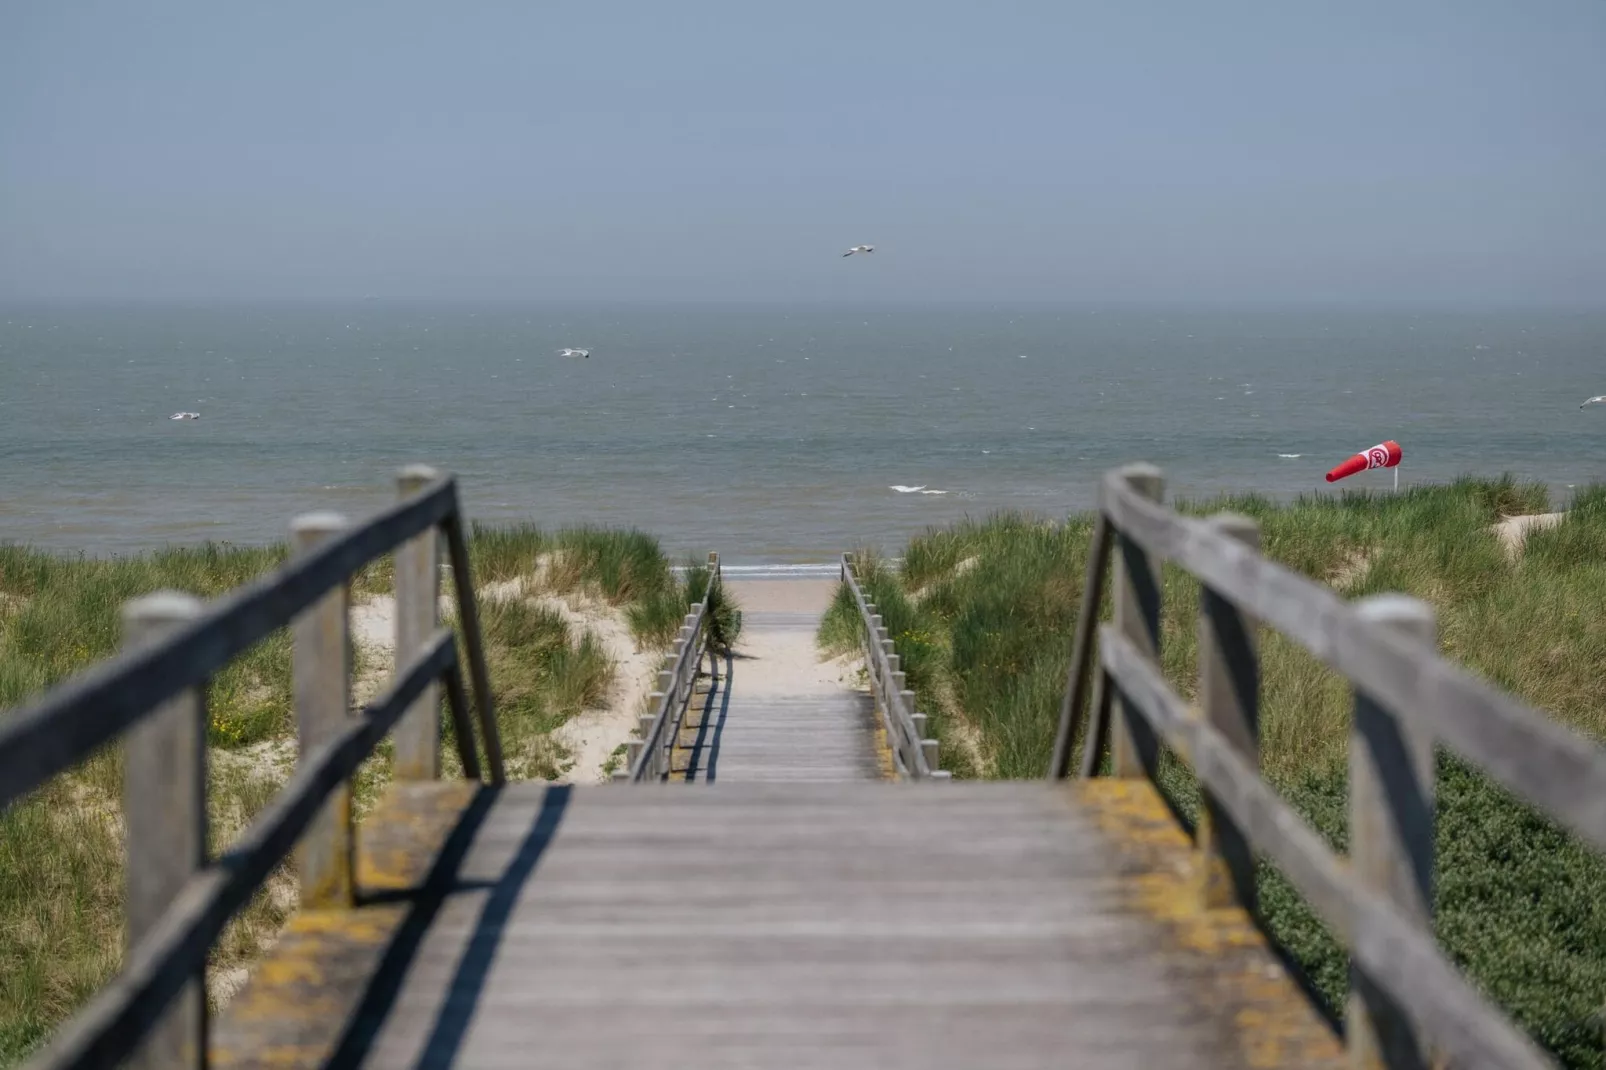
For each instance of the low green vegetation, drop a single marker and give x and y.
(983, 612)
(61, 865)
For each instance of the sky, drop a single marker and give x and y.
(1441, 151)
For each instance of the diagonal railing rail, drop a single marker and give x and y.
(649, 755)
(179, 899)
(1408, 1006)
(914, 757)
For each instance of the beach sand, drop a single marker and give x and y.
(1513, 530)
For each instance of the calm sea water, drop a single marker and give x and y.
(771, 434)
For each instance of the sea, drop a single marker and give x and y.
(778, 435)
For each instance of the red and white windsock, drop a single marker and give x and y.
(1383, 455)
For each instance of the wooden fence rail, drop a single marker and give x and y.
(914, 757)
(154, 1013)
(649, 756)
(1408, 1006)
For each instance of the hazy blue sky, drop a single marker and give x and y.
(1402, 150)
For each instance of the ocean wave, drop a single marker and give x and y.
(901, 489)
(1290, 456)
(933, 492)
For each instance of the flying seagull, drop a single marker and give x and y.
(185, 416)
(1596, 400)
(586, 353)
(860, 249)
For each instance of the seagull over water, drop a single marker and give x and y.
(1596, 400)
(185, 416)
(860, 249)
(586, 353)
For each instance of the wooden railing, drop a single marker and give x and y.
(1407, 1006)
(178, 898)
(649, 755)
(914, 757)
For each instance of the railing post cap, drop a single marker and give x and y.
(415, 475)
(1412, 616)
(319, 523)
(159, 606)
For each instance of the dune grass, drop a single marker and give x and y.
(61, 865)
(986, 610)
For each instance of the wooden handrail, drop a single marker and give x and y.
(80, 716)
(1528, 752)
(155, 692)
(649, 754)
(103, 1033)
(1406, 999)
(914, 756)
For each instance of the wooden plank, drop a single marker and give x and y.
(1391, 774)
(1098, 725)
(88, 711)
(164, 812)
(417, 572)
(468, 615)
(1528, 752)
(1080, 676)
(321, 662)
(462, 725)
(175, 949)
(1229, 701)
(1134, 751)
(820, 925)
(1395, 954)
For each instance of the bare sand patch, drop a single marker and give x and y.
(1512, 531)
(592, 736)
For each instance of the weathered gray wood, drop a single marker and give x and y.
(887, 687)
(164, 812)
(175, 950)
(1079, 679)
(831, 925)
(1391, 838)
(462, 723)
(1402, 959)
(1229, 701)
(468, 616)
(417, 571)
(88, 711)
(1098, 724)
(321, 662)
(1134, 752)
(1531, 754)
(676, 684)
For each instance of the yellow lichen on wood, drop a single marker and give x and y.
(1231, 967)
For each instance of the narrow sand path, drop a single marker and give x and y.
(779, 712)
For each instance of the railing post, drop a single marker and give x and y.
(1391, 790)
(1134, 749)
(164, 811)
(1229, 701)
(321, 664)
(418, 588)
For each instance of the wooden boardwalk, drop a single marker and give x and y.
(780, 925)
(776, 713)
(795, 909)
